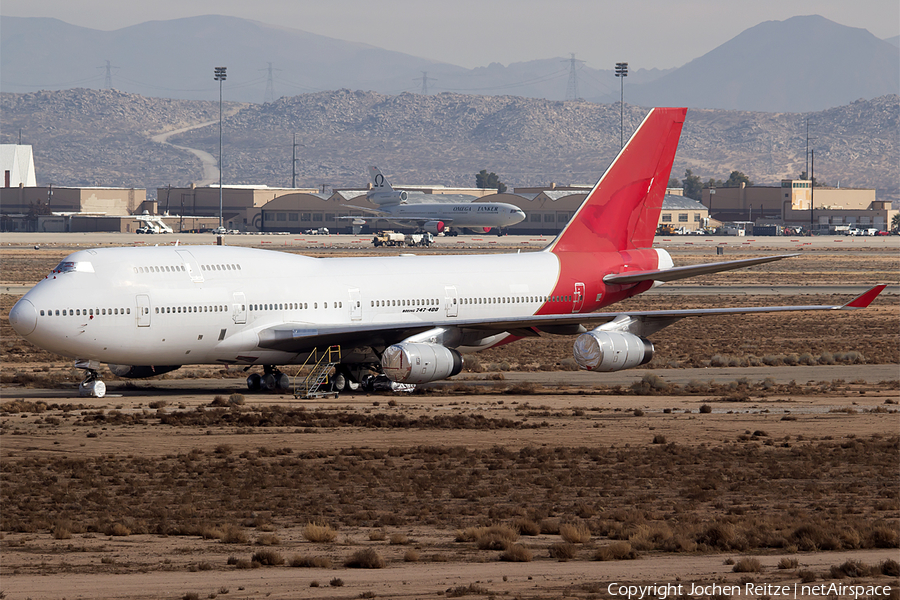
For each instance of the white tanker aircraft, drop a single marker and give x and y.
(435, 213)
(145, 311)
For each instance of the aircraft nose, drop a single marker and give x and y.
(23, 317)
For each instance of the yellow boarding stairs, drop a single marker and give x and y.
(322, 365)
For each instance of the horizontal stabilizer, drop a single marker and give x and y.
(676, 273)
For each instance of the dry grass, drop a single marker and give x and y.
(367, 558)
(616, 551)
(575, 533)
(516, 553)
(319, 534)
(747, 565)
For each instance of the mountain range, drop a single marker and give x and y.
(84, 137)
(801, 64)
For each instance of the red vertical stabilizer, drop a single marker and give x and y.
(622, 211)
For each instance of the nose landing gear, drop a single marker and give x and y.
(91, 386)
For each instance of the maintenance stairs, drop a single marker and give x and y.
(321, 366)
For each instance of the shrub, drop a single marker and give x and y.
(516, 553)
(268, 539)
(526, 526)
(616, 551)
(377, 535)
(318, 562)
(705, 409)
(398, 539)
(411, 556)
(788, 563)
(466, 590)
(117, 529)
(659, 439)
(890, 567)
(268, 557)
(747, 565)
(336, 582)
(806, 576)
(563, 551)
(365, 559)
(319, 533)
(232, 534)
(851, 568)
(575, 533)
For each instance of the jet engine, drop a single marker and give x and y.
(599, 350)
(388, 198)
(420, 363)
(133, 372)
(434, 227)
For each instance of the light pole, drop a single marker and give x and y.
(220, 77)
(622, 73)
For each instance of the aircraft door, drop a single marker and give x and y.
(239, 308)
(143, 310)
(451, 302)
(578, 297)
(355, 305)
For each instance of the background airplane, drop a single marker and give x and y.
(407, 318)
(435, 213)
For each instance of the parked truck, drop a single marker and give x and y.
(388, 238)
(419, 239)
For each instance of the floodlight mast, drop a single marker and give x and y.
(220, 76)
(622, 72)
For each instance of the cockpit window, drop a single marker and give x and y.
(69, 266)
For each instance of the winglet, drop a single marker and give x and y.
(866, 298)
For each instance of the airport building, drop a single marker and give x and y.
(795, 203)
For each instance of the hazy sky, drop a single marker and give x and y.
(472, 33)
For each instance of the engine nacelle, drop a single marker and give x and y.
(434, 227)
(133, 372)
(387, 198)
(599, 350)
(420, 363)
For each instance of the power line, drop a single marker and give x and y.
(107, 81)
(270, 84)
(572, 86)
(425, 78)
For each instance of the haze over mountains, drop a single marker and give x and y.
(89, 137)
(797, 65)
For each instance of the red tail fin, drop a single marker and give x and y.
(622, 211)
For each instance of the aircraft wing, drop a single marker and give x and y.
(676, 273)
(303, 337)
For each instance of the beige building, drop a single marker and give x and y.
(790, 203)
(96, 200)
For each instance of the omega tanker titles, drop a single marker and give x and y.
(145, 311)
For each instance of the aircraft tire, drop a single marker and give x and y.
(269, 382)
(282, 381)
(254, 382)
(338, 383)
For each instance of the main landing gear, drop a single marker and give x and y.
(271, 379)
(91, 386)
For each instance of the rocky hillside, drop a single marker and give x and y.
(86, 137)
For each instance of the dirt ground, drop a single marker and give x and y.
(502, 482)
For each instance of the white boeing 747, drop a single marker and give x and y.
(145, 311)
